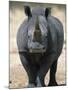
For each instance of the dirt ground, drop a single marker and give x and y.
(18, 76)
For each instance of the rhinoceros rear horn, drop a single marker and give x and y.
(47, 12)
(27, 11)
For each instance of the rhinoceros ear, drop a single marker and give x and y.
(47, 12)
(27, 11)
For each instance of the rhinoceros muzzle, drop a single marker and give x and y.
(36, 48)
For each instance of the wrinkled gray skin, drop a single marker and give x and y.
(37, 63)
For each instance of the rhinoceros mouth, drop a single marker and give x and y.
(37, 50)
(36, 47)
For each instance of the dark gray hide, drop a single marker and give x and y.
(38, 63)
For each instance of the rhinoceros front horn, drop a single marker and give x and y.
(37, 32)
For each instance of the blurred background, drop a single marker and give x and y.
(18, 77)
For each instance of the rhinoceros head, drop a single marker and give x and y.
(37, 28)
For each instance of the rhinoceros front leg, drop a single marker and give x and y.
(47, 63)
(28, 68)
(53, 70)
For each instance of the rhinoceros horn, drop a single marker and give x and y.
(37, 32)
